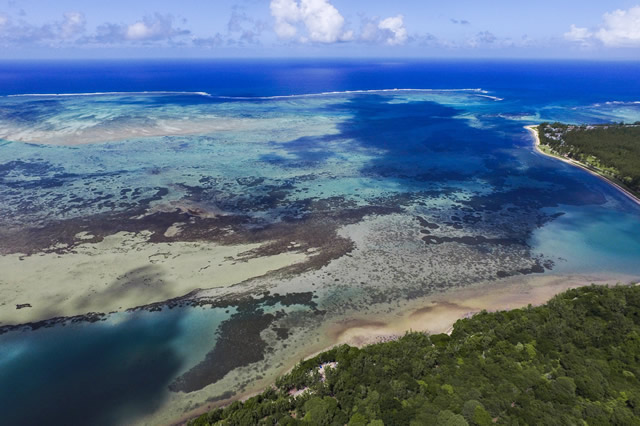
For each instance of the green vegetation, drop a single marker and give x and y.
(612, 150)
(575, 360)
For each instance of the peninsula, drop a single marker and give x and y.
(611, 151)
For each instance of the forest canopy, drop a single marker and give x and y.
(612, 149)
(574, 359)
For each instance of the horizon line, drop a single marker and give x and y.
(321, 58)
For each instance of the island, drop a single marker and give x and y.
(611, 151)
(571, 360)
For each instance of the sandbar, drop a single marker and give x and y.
(123, 271)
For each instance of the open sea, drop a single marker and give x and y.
(349, 188)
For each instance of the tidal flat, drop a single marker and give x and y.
(206, 258)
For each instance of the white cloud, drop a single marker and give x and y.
(243, 29)
(72, 25)
(620, 28)
(578, 34)
(322, 22)
(286, 12)
(369, 30)
(209, 42)
(140, 31)
(390, 31)
(485, 37)
(152, 28)
(52, 33)
(396, 32)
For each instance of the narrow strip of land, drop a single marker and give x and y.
(538, 147)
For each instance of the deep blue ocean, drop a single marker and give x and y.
(452, 149)
(530, 81)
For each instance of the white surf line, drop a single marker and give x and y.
(355, 92)
(495, 98)
(53, 95)
(477, 91)
(620, 103)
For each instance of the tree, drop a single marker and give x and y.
(448, 418)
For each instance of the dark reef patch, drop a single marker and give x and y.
(426, 224)
(472, 241)
(312, 223)
(239, 344)
(239, 341)
(90, 317)
(538, 267)
(282, 332)
(59, 236)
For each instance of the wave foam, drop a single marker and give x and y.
(478, 92)
(608, 103)
(352, 92)
(53, 95)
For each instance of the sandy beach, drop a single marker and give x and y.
(438, 313)
(534, 131)
(434, 314)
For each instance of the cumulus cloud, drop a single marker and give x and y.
(319, 21)
(577, 34)
(73, 24)
(244, 29)
(390, 31)
(427, 40)
(286, 14)
(485, 37)
(620, 28)
(19, 33)
(209, 42)
(396, 33)
(482, 38)
(152, 28)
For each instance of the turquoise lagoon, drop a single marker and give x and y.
(390, 194)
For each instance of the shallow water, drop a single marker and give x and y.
(391, 194)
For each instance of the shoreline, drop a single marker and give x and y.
(433, 314)
(439, 312)
(534, 131)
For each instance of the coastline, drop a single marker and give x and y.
(534, 131)
(439, 312)
(432, 314)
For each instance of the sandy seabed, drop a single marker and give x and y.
(123, 271)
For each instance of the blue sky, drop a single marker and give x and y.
(336, 28)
